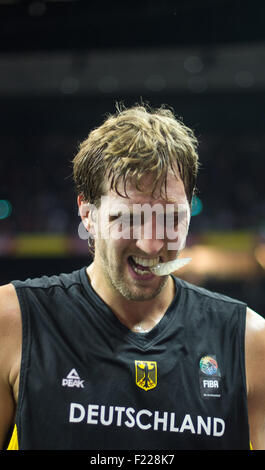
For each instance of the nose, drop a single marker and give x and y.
(150, 246)
(151, 240)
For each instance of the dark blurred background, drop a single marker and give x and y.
(64, 64)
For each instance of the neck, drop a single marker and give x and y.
(139, 316)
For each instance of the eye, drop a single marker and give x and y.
(122, 219)
(112, 218)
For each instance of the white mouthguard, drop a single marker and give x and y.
(163, 269)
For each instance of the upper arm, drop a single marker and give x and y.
(10, 350)
(255, 372)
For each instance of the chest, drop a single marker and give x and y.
(95, 387)
(165, 394)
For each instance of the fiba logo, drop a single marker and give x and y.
(208, 365)
(209, 377)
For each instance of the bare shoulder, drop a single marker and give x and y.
(255, 329)
(255, 348)
(255, 325)
(10, 327)
(10, 357)
(255, 373)
(9, 308)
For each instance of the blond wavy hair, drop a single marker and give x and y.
(131, 143)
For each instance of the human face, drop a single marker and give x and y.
(121, 258)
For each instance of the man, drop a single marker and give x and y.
(120, 355)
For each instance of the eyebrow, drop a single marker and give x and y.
(165, 201)
(171, 202)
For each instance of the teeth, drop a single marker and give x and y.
(146, 262)
(140, 271)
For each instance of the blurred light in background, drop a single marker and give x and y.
(108, 84)
(155, 83)
(36, 9)
(5, 209)
(197, 84)
(196, 206)
(193, 64)
(217, 263)
(244, 79)
(69, 85)
(260, 255)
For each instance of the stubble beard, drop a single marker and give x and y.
(117, 280)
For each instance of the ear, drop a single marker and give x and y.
(85, 212)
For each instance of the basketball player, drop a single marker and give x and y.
(123, 354)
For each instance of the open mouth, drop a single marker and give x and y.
(141, 266)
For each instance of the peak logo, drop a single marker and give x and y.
(73, 380)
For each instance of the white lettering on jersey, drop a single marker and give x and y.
(145, 419)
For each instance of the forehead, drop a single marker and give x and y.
(171, 193)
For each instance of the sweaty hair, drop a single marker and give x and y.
(131, 143)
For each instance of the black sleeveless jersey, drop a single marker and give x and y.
(89, 383)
